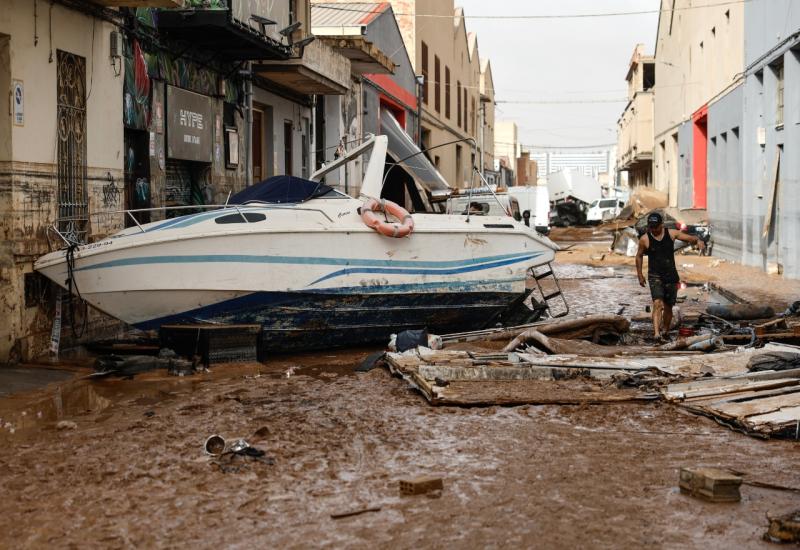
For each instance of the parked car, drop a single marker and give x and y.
(603, 210)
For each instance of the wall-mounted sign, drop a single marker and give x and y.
(18, 102)
(231, 147)
(189, 126)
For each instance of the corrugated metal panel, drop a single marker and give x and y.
(345, 14)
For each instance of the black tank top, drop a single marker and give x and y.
(661, 258)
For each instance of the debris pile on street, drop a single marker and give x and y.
(598, 359)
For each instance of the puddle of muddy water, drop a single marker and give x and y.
(53, 395)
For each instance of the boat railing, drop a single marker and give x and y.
(68, 239)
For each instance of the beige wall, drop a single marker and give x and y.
(688, 74)
(506, 141)
(635, 133)
(28, 175)
(487, 98)
(446, 38)
(635, 126)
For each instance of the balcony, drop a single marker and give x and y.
(321, 71)
(234, 29)
(635, 132)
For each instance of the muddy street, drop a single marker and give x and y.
(120, 463)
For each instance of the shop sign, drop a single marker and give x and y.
(189, 126)
(18, 100)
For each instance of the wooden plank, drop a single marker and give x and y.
(772, 193)
(715, 401)
(758, 406)
(737, 388)
(781, 419)
(483, 373)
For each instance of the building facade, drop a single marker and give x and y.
(448, 59)
(754, 143)
(110, 110)
(699, 56)
(384, 83)
(61, 155)
(635, 125)
(506, 142)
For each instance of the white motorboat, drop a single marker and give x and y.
(311, 272)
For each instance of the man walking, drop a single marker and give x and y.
(662, 275)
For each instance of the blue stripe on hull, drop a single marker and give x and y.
(316, 320)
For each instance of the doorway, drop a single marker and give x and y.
(137, 175)
(258, 145)
(700, 157)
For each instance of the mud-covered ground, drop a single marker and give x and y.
(126, 468)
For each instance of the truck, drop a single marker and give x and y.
(571, 195)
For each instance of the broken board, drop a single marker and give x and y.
(765, 403)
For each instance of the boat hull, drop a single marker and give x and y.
(293, 321)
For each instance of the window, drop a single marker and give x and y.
(465, 107)
(447, 91)
(424, 54)
(73, 200)
(287, 147)
(459, 168)
(458, 101)
(437, 84)
(241, 217)
(473, 118)
(779, 89)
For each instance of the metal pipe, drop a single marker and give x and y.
(248, 87)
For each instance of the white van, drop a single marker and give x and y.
(603, 210)
(536, 200)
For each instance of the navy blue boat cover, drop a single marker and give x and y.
(281, 189)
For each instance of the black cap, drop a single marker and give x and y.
(654, 219)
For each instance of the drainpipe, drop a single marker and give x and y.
(420, 83)
(248, 114)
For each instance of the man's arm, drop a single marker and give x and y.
(694, 241)
(640, 258)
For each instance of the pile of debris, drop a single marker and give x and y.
(719, 372)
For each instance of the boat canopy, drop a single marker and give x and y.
(281, 189)
(406, 153)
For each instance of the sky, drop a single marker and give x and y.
(561, 60)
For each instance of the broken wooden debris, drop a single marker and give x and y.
(764, 403)
(459, 378)
(784, 529)
(710, 484)
(351, 513)
(420, 485)
(564, 327)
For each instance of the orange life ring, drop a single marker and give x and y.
(390, 229)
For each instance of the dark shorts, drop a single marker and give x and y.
(659, 290)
